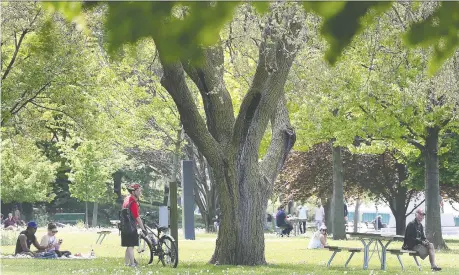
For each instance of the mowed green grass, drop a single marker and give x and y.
(284, 256)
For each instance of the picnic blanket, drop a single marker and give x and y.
(71, 257)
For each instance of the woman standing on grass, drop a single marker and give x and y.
(131, 239)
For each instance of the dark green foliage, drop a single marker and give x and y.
(340, 26)
(180, 29)
(438, 30)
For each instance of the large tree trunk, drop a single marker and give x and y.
(94, 214)
(231, 145)
(117, 180)
(339, 229)
(241, 233)
(432, 189)
(86, 223)
(328, 211)
(357, 216)
(398, 208)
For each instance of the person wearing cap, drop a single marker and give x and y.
(319, 239)
(49, 240)
(26, 239)
(415, 240)
(131, 240)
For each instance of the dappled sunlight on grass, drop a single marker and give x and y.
(284, 256)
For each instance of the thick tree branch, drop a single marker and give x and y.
(52, 109)
(283, 139)
(414, 142)
(18, 106)
(173, 81)
(217, 101)
(276, 55)
(16, 50)
(17, 44)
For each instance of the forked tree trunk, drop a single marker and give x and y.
(339, 229)
(241, 233)
(432, 189)
(231, 145)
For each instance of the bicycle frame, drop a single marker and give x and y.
(151, 232)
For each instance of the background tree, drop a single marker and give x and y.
(27, 175)
(92, 167)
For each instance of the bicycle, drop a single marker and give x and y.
(152, 244)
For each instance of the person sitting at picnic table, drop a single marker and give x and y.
(10, 222)
(49, 240)
(378, 222)
(26, 239)
(281, 221)
(415, 240)
(319, 238)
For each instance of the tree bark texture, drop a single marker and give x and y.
(328, 209)
(94, 214)
(357, 215)
(339, 229)
(231, 145)
(432, 189)
(86, 223)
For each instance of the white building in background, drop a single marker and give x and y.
(368, 212)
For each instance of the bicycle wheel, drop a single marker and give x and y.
(144, 252)
(168, 253)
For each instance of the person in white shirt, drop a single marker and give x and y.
(49, 240)
(319, 215)
(319, 238)
(302, 216)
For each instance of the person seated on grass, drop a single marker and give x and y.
(415, 240)
(319, 238)
(281, 221)
(10, 222)
(26, 239)
(49, 240)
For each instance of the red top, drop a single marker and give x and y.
(134, 206)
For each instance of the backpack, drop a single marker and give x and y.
(127, 223)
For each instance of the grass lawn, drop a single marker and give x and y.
(284, 255)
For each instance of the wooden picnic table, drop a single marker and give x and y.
(369, 238)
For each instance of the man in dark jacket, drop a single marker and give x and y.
(415, 239)
(281, 221)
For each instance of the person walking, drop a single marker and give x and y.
(130, 238)
(303, 217)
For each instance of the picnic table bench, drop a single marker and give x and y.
(399, 252)
(377, 238)
(70, 218)
(102, 234)
(337, 249)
